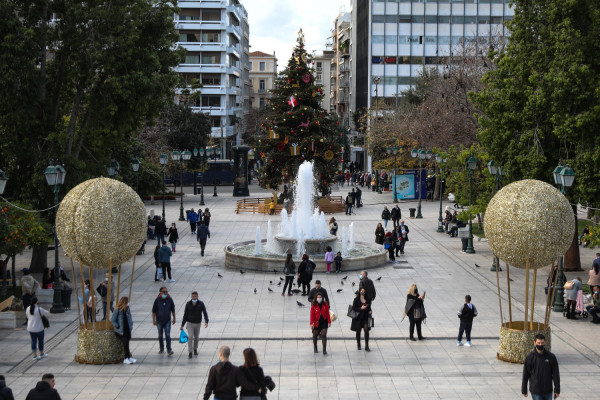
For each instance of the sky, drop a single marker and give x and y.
(274, 24)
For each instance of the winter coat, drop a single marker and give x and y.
(572, 293)
(466, 313)
(396, 213)
(5, 392)
(386, 214)
(161, 228)
(540, 370)
(117, 319)
(369, 287)
(379, 233)
(192, 216)
(163, 308)
(313, 293)
(202, 232)
(223, 379)
(193, 313)
(316, 312)
(29, 284)
(164, 254)
(255, 375)
(303, 270)
(173, 235)
(43, 391)
(363, 315)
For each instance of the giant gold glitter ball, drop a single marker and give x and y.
(101, 222)
(529, 219)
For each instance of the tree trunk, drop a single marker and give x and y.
(39, 259)
(437, 186)
(14, 272)
(572, 261)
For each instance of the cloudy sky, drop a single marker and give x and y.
(274, 24)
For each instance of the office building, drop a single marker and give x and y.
(263, 72)
(323, 72)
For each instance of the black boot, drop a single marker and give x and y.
(315, 345)
(358, 345)
(324, 346)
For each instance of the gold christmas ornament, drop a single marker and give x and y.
(328, 155)
(529, 219)
(101, 221)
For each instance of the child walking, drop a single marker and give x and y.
(466, 314)
(329, 258)
(338, 262)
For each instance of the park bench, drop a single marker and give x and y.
(8, 319)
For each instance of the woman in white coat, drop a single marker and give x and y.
(35, 327)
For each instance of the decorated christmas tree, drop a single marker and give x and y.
(296, 128)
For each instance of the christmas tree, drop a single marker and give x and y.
(296, 128)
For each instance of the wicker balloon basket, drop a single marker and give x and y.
(516, 343)
(98, 346)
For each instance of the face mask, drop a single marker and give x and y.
(360, 277)
(164, 296)
(595, 292)
(194, 301)
(105, 279)
(319, 300)
(540, 347)
(127, 304)
(362, 293)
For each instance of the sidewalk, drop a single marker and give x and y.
(278, 329)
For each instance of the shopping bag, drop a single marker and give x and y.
(158, 273)
(332, 315)
(183, 337)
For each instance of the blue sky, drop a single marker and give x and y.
(274, 24)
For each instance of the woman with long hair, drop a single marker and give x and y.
(415, 310)
(594, 276)
(362, 305)
(254, 374)
(173, 237)
(333, 226)
(379, 234)
(289, 269)
(320, 320)
(123, 324)
(35, 327)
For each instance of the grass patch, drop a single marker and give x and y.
(478, 232)
(10, 291)
(582, 223)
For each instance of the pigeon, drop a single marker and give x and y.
(242, 271)
(270, 282)
(378, 279)
(269, 289)
(510, 279)
(342, 282)
(279, 284)
(300, 304)
(281, 279)
(296, 291)
(478, 266)
(353, 283)
(219, 275)
(339, 290)
(255, 290)
(346, 277)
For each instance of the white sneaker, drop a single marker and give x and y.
(37, 358)
(43, 355)
(127, 361)
(171, 280)
(459, 343)
(133, 360)
(468, 344)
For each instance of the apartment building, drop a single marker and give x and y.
(215, 34)
(263, 72)
(323, 72)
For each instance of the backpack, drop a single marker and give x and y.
(310, 267)
(102, 290)
(286, 270)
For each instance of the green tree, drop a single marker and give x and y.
(296, 128)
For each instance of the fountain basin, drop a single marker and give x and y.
(241, 256)
(311, 246)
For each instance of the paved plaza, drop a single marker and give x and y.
(278, 329)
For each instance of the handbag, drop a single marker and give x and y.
(333, 316)
(568, 285)
(45, 321)
(269, 383)
(183, 337)
(352, 313)
(371, 322)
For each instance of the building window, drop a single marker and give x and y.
(192, 58)
(261, 85)
(211, 15)
(211, 58)
(215, 122)
(211, 79)
(189, 37)
(211, 37)
(211, 101)
(262, 66)
(261, 103)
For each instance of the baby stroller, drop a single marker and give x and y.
(580, 310)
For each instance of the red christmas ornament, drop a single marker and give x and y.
(289, 113)
(306, 78)
(337, 122)
(317, 122)
(320, 116)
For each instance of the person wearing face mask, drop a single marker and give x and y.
(194, 309)
(320, 321)
(123, 325)
(403, 236)
(415, 310)
(162, 309)
(595, 309)
(541, 370)
(362, 305)
(367, 284)
(173, 237)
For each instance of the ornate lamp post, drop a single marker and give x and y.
(563, 176)
(394, 150)
(471, 166)
(163, 159)
(55, 177)
(3, 180)
(422, 154)
(218, 153)
(201, 153)
(442, 164)
(112, 168)
(181, 157)
(135, 166)
(496, 171)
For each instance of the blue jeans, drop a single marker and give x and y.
(160, 238)
(37, 341)
(104, 304)
(547, 396)
(385, 221)
(166, 328)
(465, 327)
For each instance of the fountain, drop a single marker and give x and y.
(304, 230)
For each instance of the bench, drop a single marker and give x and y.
(8, 319)
(45, 296)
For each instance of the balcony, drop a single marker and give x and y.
(344, 68)
(235, 30)
(203, 46)
(343, 83)
(184, 24)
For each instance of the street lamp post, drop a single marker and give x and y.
(218, 152)
(135, 165)
(496, 171)
(163, 159)
(563, 176)
(55, 177)
(422, 154)
(471, 166)
(394, 150)
(201, 153)
(112, 168)
(181, 157)
(441, 163)
(3, 180)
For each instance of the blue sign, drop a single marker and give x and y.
(408, 184)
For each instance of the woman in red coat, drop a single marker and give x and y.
(320, 321)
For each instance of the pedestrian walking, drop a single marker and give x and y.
(224, 378)
(160, 230)
(320, 321)
(358, 197)
(362, 305)
(164, 261)
(329, 258)
(318, 289)
(206, 217)
(102, 290)
(173, 237)
(192, 218)
(540, 371)
(338, 262)
(466, 314)
(44, 389)
(379, 234)
(123, 326)
(5, 392)
(289, 270)
(415, 310)
(254, 373)
(388, 244)
(385, 216)
(192, 315)
(367, 284)
(305, 272)
(348, 202)
(396, 214)
(333, 226)
(571, 296)
(203, 234)
(28, 287)
(163, 315)
(403, 236)
(35, 327)
(157, 264)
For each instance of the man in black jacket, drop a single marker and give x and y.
(194, 309)
(368, 285)
(162, 310)
(224, 378)
(466, 314)
(44, 390)
(540, 370)
(318, 289)
(5, 392)
(203, 233)
(396, 215)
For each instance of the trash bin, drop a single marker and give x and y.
(465, 243)
(412, 212)
(66, 296)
